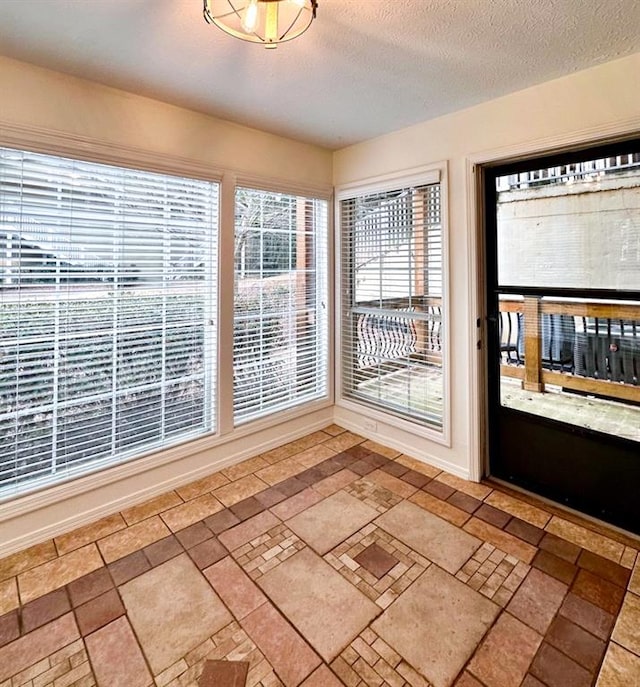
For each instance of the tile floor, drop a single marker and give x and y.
(328, 561)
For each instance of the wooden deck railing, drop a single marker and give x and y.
(569, 173)
(403, 329)
(590, 347)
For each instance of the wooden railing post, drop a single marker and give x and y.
(534, 376)
(532, 345)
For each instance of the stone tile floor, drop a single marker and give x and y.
(328, 561)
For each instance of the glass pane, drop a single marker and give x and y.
(280, 299)
(575, 226)
(392, 335)
(107, 313)
(576, 360)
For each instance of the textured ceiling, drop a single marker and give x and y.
(364, 68)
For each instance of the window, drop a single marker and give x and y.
(107, 305)
(392, 289)
(280, 314)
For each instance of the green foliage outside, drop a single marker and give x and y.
(150, 348)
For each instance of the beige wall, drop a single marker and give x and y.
(589, 104)
(40, 98)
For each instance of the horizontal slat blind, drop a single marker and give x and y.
(392, 266)
(106, 299)
(280, 317)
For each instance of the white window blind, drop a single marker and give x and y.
(280, 317)
(107, 297)
(391, 285)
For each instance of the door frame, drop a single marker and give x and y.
(478, 396)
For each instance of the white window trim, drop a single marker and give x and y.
(280, 186)
(418, 176)
(226, 312)
(52, 142)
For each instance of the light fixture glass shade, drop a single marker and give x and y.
(261, 21)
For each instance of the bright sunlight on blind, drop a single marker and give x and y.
(391, 284)
(280, 322)
(107, 305)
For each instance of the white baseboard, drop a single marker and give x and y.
(33, 519)
(410, 444)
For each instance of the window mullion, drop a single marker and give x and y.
(226, 291)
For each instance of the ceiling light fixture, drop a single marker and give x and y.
(261, 21)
